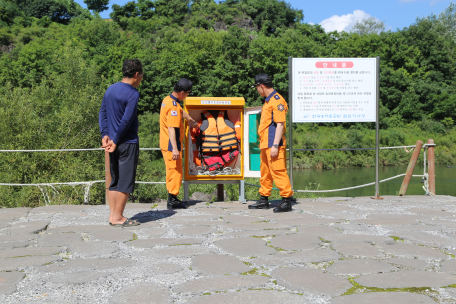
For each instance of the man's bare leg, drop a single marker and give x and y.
(112, 204)
(117, 203)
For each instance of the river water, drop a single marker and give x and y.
(445, 180)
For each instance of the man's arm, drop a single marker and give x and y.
(127, 118)
(103, 123)
(191, 121)
(172, 139)
(277, 138)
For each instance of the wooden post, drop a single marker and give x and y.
(431, 166)
(220, 194)
(411, 166)
(108, 177)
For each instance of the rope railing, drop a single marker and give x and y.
(158, 149)
(341, 189)
(74, 150)
(86, 187)
(355, 149)
(88, 184)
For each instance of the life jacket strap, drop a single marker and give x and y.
(226, 134)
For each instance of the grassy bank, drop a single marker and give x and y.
(311, 136)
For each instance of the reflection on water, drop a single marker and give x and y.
(445, 180)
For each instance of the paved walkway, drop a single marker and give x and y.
(329, 250)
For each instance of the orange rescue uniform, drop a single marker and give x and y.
(171, 116)
(273, 169)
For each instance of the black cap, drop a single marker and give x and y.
(183, 85)
(262, 79)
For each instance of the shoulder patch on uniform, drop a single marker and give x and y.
(163, 105)
(281, 107)
(173, 113)
(174, 103)
(277, 97)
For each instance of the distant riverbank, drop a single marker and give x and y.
(309, 136)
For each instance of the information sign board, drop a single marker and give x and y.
(334, 89)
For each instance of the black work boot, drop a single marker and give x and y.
(262, 203)
(284, 206)
(175, 203)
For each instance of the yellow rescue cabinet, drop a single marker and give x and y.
(214, 151)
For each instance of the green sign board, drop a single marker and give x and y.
(254, 142)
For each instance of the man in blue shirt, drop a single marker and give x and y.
(118, 120)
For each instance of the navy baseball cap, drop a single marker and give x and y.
(262, 79)
(183, 85)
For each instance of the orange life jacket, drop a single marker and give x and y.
(216, 143)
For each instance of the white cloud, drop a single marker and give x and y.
(344, 22)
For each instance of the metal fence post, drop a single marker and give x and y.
(242, 191)
(431, 166)
(411, 166)
(377, 127)
(186, 197)
(220, 194)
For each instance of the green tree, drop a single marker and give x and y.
(368, 26)
(97, 5)
(446, 22)
(8, 11)
(57, 10)
(142, 10)
(273, 14)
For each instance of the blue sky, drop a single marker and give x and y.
(342, 14)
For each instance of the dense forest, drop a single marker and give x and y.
(57, 59)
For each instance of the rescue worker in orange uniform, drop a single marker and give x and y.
(272, 145)
(171, 137)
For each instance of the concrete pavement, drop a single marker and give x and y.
(328, 250)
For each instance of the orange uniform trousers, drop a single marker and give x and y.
(274, 169)
(173, 172)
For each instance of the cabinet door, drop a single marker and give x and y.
(251, 142)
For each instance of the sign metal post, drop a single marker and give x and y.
(377, 145)
(290, 111)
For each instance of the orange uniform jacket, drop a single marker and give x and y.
(274, 110)
(171, 116)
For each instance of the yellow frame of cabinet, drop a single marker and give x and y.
(214, 103)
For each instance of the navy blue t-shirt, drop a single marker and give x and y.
(118, 116)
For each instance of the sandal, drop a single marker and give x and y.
(127, 223)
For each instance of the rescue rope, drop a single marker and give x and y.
(224, 171)
(192, 169)
(342, 189)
